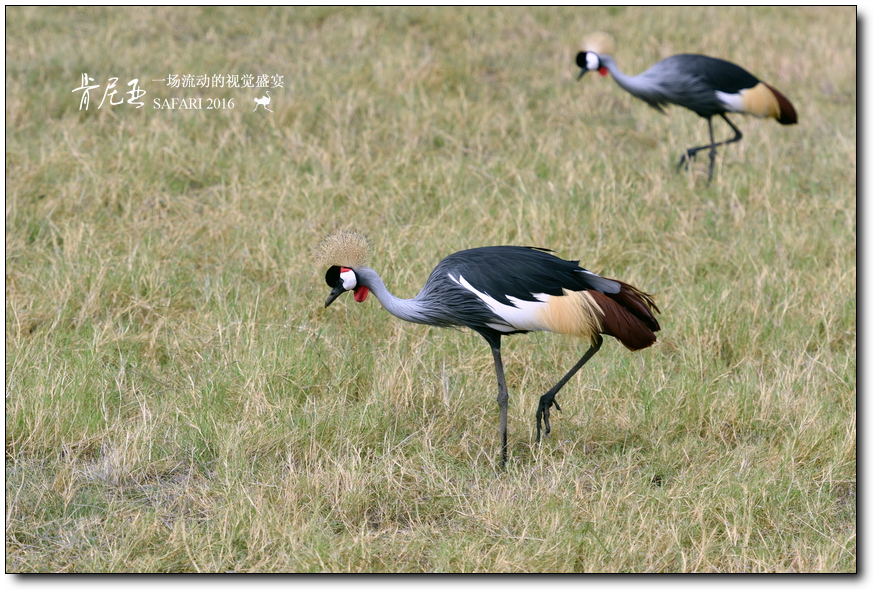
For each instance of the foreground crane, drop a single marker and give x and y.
(705, 85)
(502, 290)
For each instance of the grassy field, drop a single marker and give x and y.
(178, 399)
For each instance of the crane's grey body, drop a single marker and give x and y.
(501, 271)
(678, 79)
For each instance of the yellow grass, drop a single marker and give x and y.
(178, 399)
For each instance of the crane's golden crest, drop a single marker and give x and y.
(599, 42)
(343, 248)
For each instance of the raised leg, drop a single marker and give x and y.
(502, 401)
(690, 152)
(548, 398)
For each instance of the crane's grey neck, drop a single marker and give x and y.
(636, 85)
(411, 310)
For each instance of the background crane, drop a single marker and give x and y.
(503, 290)
(706, 85)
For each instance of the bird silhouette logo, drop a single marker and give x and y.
(264, 101)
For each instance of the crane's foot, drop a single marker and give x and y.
(686, 159)
(543, 414)
(689, 155)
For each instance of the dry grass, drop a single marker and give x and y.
(177, 398)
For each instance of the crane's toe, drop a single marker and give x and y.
(546, 402)
(686, 159)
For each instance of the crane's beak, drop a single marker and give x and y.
(582, 73)
(337, 291)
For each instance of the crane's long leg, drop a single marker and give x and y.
(548, 398)
(502, 401)
(690, 152)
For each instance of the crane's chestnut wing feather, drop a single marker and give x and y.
(639, 304)
(628, 317)
(787, 114)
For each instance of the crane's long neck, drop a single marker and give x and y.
(633, 84)
(411, 310)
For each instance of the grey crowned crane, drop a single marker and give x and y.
(706, 85)
(501, 290)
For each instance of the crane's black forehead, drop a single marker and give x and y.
(332, 276)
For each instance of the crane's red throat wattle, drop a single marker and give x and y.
(361, 293)
(603, 71)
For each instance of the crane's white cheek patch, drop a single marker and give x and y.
(592, 61)
(350, 280)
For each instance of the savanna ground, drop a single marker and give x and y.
(178, 399)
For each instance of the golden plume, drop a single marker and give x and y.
(343, 248)
(599, 42)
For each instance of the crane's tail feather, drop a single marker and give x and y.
(628, 316)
